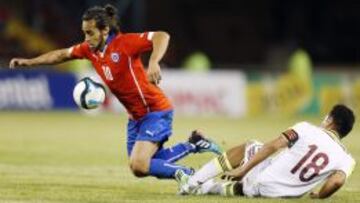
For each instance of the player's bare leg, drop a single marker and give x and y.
(235, 155)
(140, 157)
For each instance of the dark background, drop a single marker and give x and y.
(229, 32)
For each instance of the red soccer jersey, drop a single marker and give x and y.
(120, 67)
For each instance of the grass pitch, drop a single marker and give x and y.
(71, 157)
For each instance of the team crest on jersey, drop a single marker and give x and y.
(115, 57)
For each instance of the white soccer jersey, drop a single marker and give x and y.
(313, 154)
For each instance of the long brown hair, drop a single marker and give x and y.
(103, 16)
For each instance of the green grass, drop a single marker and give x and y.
(71, 157)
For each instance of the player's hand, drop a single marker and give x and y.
(227, 177)
(314, 195)
(234, 175)
(154, 73)
(15, 62)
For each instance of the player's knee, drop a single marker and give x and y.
(139, 167)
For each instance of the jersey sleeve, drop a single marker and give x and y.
(137, 43)
(292, 134)
(79, 51)
(347, 165)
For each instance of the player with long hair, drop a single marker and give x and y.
(116, 59)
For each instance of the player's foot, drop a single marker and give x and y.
(182, 179)
(210, 187)
(203, 144)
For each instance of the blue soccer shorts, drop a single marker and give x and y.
(153, 127)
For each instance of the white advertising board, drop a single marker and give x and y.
(200, 94)
(208, 93)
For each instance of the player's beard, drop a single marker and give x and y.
(101, 44)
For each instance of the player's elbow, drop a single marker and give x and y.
(338, 183)
(338, 179)
(333, 184)
(330, 191)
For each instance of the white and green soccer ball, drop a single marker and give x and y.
(89, 94)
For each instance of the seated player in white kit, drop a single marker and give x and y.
(308, 155)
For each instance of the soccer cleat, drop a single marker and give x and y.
(202, 144)
(182, 179)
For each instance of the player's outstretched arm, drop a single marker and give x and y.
(332, 184)
(266, 151)
(52, 57)
(160, 42)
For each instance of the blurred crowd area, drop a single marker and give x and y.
(256, 34)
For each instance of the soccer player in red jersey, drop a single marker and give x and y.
(116, 58)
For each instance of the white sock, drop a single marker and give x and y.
(211, 187)
(210, 170)
(214, 187)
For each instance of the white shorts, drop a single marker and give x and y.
(250, 183)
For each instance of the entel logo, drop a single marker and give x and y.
(19, 92)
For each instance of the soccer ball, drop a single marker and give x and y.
(89, 94)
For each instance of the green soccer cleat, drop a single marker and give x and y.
(202, 144)
(182, 179)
